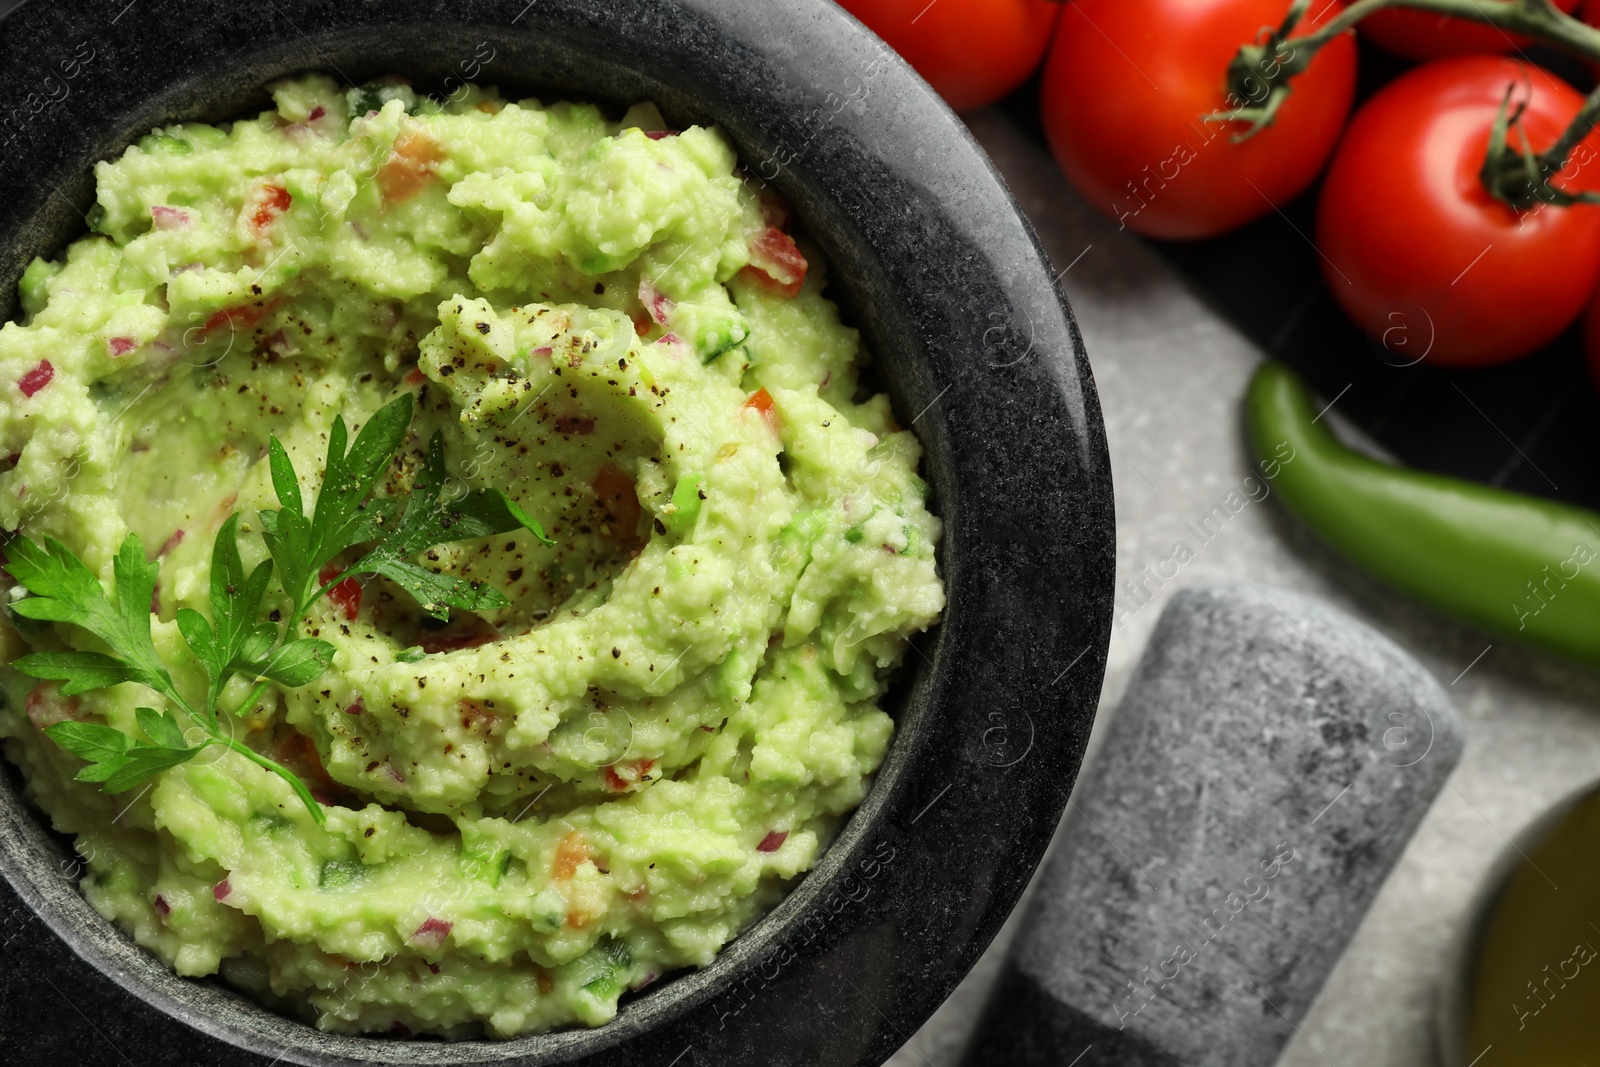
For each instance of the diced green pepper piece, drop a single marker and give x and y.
(686, 501)
(336, 874)
(162, 142)
(34, 282)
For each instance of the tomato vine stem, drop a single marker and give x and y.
(1260, 78)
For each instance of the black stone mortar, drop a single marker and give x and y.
(973, 341)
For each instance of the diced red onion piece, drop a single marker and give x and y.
(431, 934)
(654, 302)
(37, 378)
(168, 218)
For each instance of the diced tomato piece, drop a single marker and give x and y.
(346, 596)
(773, 841)
(619, 776)
(474, 715)
(571, 853)
(450, 642)
(224, 508)
(271, 201)
(776, 263)
(410, 166)
(121, 346)
(45, 706)
(620, 498)
(357, 708)
(415, 376)
(240, 318)
(222, 890)
(761, 401)
(163, 909)
(316, 113)
(657, 135)
(36, 378)
(301, 752)
(574, 426)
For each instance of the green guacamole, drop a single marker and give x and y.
(533, 809)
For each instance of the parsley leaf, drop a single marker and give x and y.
(300, 546)
(64, 590)
(91, 741)
(298, 662)
(119, 761)
(432, 518)
(403, 526)
(235, 640)
(234, 637)
(142, 762)
(161, 728)
(78, 672)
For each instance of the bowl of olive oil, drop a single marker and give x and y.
(1524, 987)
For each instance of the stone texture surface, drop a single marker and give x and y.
(972, 342)
(1263, 773)
(1170, 374)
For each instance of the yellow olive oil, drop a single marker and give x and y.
(1536, 987)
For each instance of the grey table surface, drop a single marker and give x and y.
(1171, 373)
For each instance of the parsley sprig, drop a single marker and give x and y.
(345, 516)
(237, 641)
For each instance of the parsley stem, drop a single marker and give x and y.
(255, 696)
(207, 722)
(283, 772)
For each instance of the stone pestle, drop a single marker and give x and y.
(1263, 774)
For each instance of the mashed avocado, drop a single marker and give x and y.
(535, 808)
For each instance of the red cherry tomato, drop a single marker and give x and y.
(1430, 35)
(1124, 91)
(1414, 246)
(972, 51)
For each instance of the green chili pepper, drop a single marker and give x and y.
(1517, 566)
